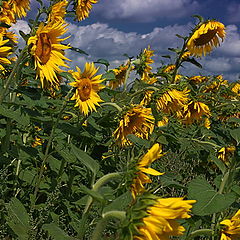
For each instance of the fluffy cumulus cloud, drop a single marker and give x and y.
(101, 41)
(145, 11)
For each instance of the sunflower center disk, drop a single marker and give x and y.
(205, 38)
(44, 48)
(85, 88)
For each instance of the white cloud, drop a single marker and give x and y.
(101, 41)
(145, 10)
(231, 45)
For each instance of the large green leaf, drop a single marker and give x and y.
(235, 133)
(18, 219)
(120, 203)
(85, 159)
(16, 115)
(56, 233)
(209, 201)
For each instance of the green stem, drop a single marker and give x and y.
(11, 77)
(106, 178)
(205, 142)
(103, 180)
(45, 157)
(113, 105)
(127, 76)
(200, 232)
(101, 225)
(178, 62)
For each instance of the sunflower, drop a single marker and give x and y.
(147, 98)
(172, 101)
(20, 7)
(225, 153)
(169, 68)
(146, 59)
(194, 111)
(205, 38)
(198, 79)
(236, 89)
(142, 169)
(231, 230)
(58, 11)
(48, 53)
(120, 74)
(138, 121)
(7, 15)
(156, 218)
(9, 35)
(4, 52)
(186, 55)
(83, 8)
(163, 122)
(87, 85)
(215, 85)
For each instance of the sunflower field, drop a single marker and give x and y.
(129, 154)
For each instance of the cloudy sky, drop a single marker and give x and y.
(116, 27)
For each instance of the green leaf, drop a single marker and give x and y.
(103, 61)
(235, 133)
(28, 175)
(16, 115)
(209, 201)
(85, 159)
(138, 141)
(18, 219)
(109, 76)
(120, 203)
(67, 76)
(96, 195)
(56, 233)
(194, 62)
(218, 162)
(78, 50)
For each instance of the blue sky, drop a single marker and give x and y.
(116, 27)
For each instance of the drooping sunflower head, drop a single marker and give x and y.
(120, 74)
(157, 217)
(87, 85)
(58, 11)
(20, 7)
(48, 53)
(138, 121)
(236, 89)
(172, 101)
(83, 8)
(7, 14)
(154, 153)
(205, 38)
(4, 52)
(198, 79)
(194, 111)
(226, 153)
(169, 68)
